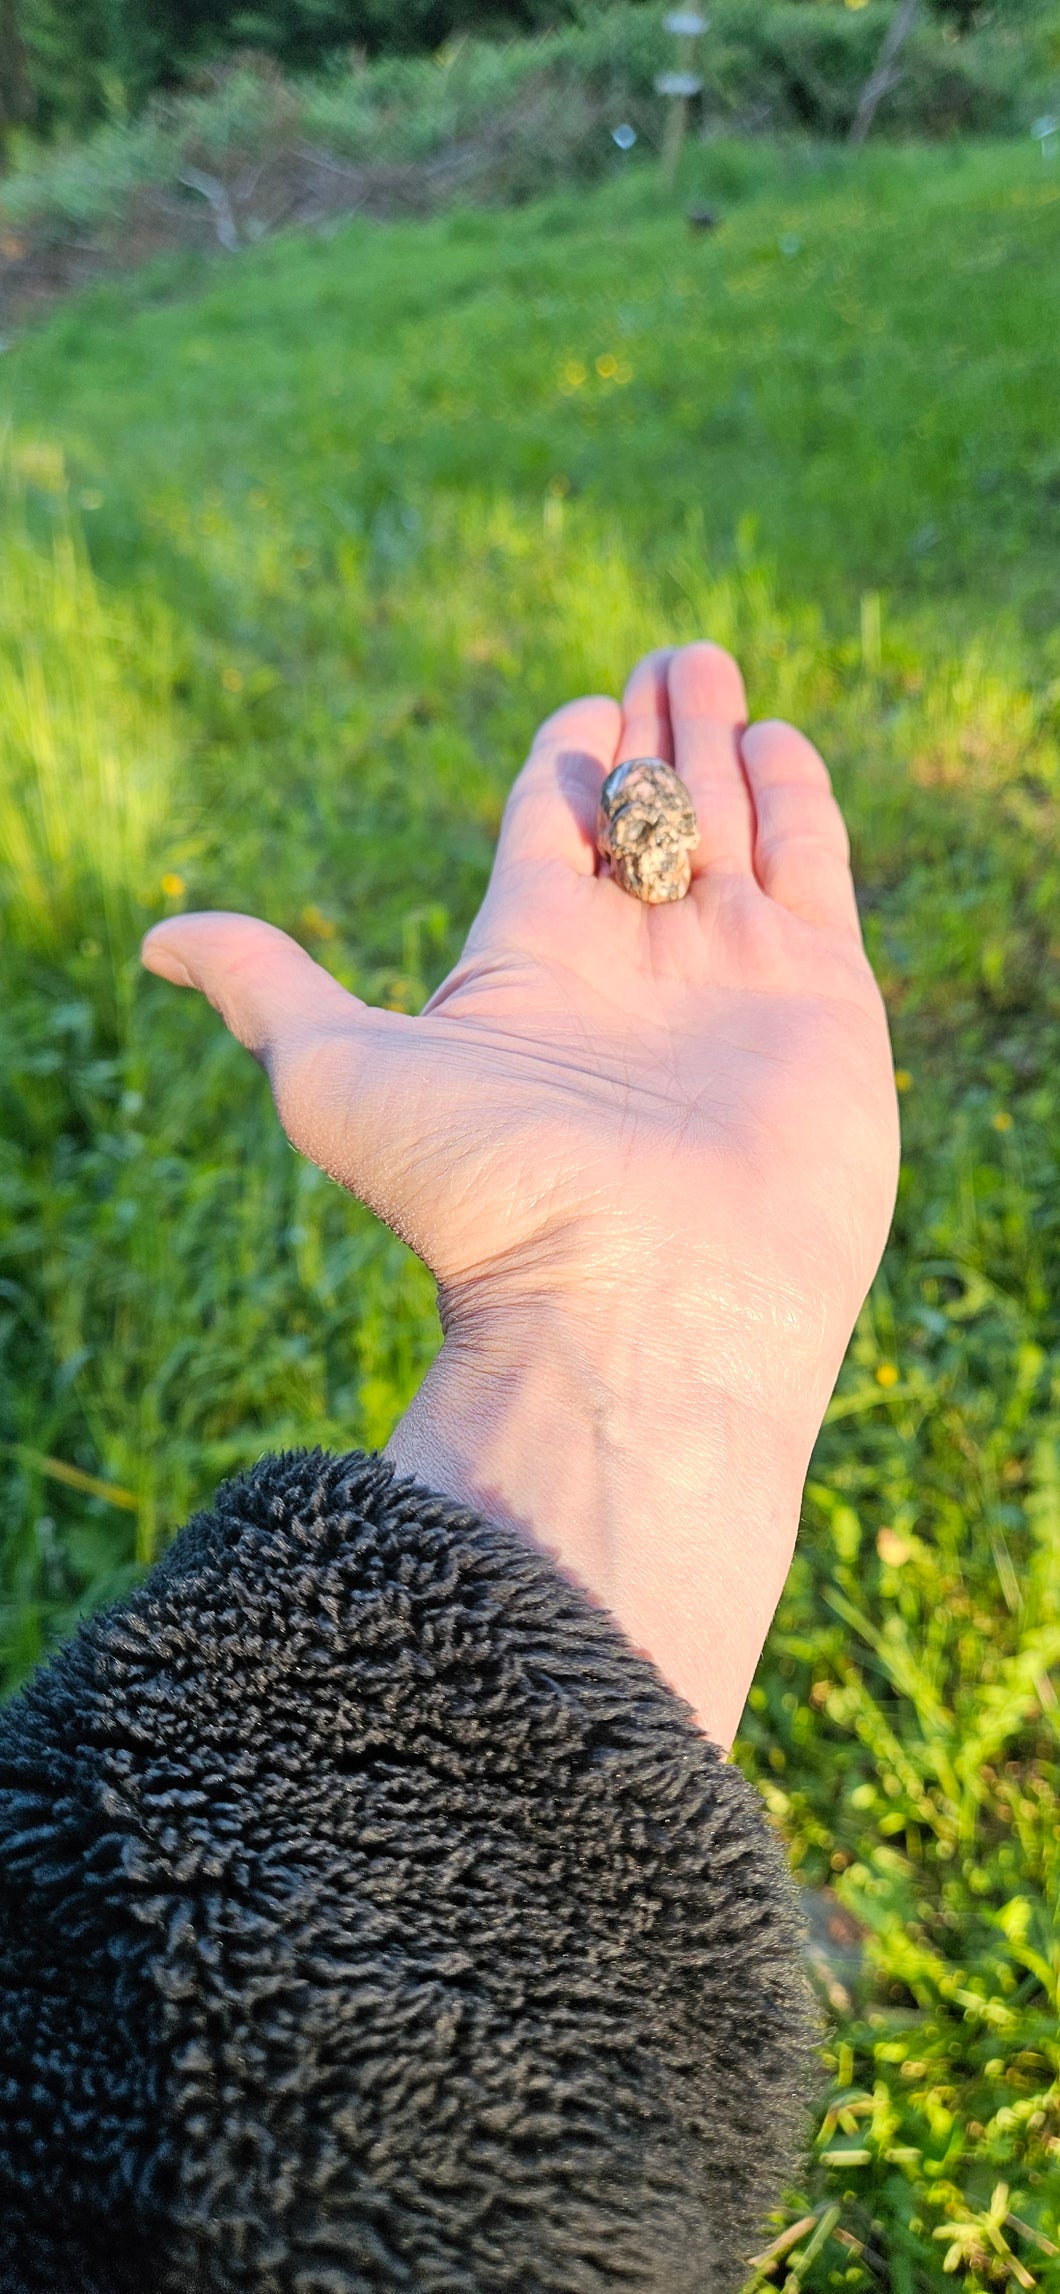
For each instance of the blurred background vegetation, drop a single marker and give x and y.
(299, 534)
(73, 63)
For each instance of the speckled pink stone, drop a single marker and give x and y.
(646, 827)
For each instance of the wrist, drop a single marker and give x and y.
(669, 1493)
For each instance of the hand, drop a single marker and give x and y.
(650, 1155)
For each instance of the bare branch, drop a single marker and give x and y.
(214, 190)
(885, 74)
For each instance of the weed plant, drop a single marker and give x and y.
(290, 569)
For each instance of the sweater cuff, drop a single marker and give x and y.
(372, 1915)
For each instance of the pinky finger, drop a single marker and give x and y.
(802, 852)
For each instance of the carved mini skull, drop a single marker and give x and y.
(646, 827)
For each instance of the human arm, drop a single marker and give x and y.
(649, 1154)
(371, 1911)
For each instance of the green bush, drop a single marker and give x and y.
(88, 57)
(539, 111)
(91, 59)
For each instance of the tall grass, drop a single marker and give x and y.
(87, 784)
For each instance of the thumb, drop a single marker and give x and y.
(324, 1051)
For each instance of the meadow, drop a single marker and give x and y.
(296, 548)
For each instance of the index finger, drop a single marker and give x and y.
(551, 810)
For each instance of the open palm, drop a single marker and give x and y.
(675, 1126)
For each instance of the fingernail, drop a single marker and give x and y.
(168, 966)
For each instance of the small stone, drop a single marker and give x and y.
(646, 827)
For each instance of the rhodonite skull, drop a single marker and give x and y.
(646, 827)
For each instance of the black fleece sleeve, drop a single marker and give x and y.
(371, 1916)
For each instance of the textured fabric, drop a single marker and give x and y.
(372, 1917)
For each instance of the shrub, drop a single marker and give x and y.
(90, 59)
(538, 109)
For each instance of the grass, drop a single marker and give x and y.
(292, 560)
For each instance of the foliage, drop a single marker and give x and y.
(524, 115)
(87, 56)
(16, 99)
(290, 569)
(791, 61)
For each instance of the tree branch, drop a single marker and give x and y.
(884, 74)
